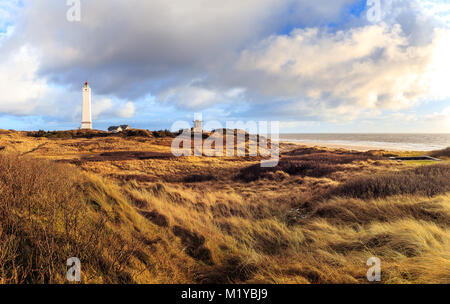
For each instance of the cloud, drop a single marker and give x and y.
(293, 59)
(408, 118)
(194, 97)
(8, 10)
(442, 117)
(371, 67)
(24, 93)
(108, 108)
(21, 88)
(131, 48)
(439, 9)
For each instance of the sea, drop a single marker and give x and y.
(401, 142)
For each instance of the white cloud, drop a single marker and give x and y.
(8, 9)
(25, 93)
(127, 110)
(135, 47)
(103, 107)
(194, 97)
(346, 72)
(21, 89)
(439, 9)
(408, 118)
(198, 54)
(443, 116)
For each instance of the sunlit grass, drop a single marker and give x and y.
(282, 227)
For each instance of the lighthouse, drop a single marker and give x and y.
(86, 118)
(198, 126)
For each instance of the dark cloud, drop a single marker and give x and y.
(288, 58)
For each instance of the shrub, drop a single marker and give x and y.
(44, 220)
(197, 178)
(97, 133)
(163, 133)
(69, 134)
(441, 153)
(424, 180)
(317, 164)
(137, 132)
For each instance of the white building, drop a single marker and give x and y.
(86, 118)
(117, 129)
(198, 126)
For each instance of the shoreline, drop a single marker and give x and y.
(360, 148)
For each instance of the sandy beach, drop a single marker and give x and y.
(410, 142)
(360, 148)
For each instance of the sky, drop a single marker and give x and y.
(316, 66)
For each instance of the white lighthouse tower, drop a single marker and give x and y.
(198, 126)
(86, 118)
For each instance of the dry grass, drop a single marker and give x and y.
(291, 224)
(425, 180)
(306, 162)
(278, 244)
(441, 153)
(71, 134)
(50, 212)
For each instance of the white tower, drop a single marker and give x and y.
(86, 118)
(197, 126)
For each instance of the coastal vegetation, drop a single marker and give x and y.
(132, 213)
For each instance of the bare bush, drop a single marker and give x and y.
(424, 180)
(441, 153)
(44, 220)
(305, 162)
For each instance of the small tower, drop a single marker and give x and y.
(197, 126)
(86, 118)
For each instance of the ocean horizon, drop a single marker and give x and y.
(395, 141)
